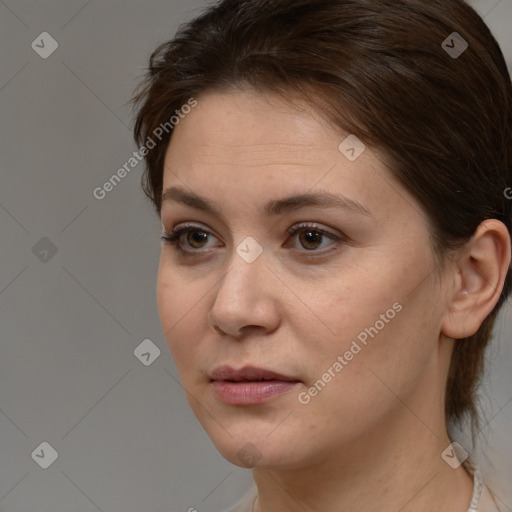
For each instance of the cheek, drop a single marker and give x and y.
(344, 306)
(368, 380)
(397, 354)
(378, 320)
(166, 300)
(181, 315)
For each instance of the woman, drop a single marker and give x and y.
(331, 178)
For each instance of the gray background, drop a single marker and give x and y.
(70, 321)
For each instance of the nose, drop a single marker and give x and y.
(246, 299)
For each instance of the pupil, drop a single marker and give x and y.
(192, 236)
(312, 237)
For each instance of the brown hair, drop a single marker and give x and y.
(378, 70)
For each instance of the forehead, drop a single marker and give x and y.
(253, 136)
(250, 122)
(241, 144)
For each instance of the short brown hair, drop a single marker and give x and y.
(377, 70)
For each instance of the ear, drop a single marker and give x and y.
(478, 282)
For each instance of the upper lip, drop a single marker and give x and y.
(250, 373)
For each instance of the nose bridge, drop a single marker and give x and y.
(244, 294)
(244, 279)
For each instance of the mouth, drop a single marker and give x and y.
(248, 374)
(249, 385)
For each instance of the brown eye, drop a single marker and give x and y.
(189, 240)
(313, 239)
(310, 239)
(196, 237)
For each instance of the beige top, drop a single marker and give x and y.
(481, 500)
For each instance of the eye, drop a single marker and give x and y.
(189, 240)
(311, 236)
(195, 239)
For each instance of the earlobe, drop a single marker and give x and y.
(478, 283)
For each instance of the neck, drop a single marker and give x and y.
(389, 469)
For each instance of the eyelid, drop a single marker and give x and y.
(178, 231)
(316, 254)
(313, 227)
(174, 237)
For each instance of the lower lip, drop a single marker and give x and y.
(250, 393)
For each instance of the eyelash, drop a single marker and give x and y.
(174, 239)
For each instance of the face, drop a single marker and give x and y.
(336, 293)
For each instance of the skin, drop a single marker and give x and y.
(372, 438)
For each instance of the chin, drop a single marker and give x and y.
(251, 449)
(249, 455)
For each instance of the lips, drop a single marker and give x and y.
(248, 374)
(249, 385)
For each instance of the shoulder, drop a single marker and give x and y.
(482, 499)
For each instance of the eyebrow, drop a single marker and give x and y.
(274, 207)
